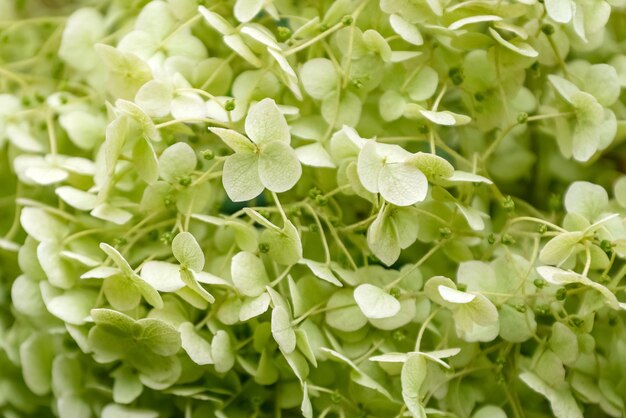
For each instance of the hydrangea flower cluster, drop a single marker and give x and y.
(348, 208)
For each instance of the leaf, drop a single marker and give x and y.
(188, 252)
(282, 331)
(176, 162)
(198, 349)
(445, 118)
(375, 303)
(279, 168)
(248, 274)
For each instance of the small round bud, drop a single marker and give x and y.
(264, 247)
(321, 200)
(314, 192)
(395, 292)
(445, 232)
(606, 246)
(479, 97)
(166, 237)
(284, 33)
(119, 242)
(507, 239)
(520, 308)
(547, 28)
(229, 106)
(540, 283)
(422, 128)
(491, 239)
(456, 75)
(508, 204)
(358, 84)
(561, 294)
(184, 181)
(207, 154)
(576, 321)
(347, 20)
(169, 200)
(542, 229)
(313, 227)
(461, 286)
(522, 117)
(335, 397)
(398, 335)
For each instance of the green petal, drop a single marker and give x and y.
(241, 177)
(279, 168)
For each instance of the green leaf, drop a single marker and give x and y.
(375, 303)
(282, 331)
(188, 252)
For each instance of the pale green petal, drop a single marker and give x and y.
(265, 123)
(279, 168)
